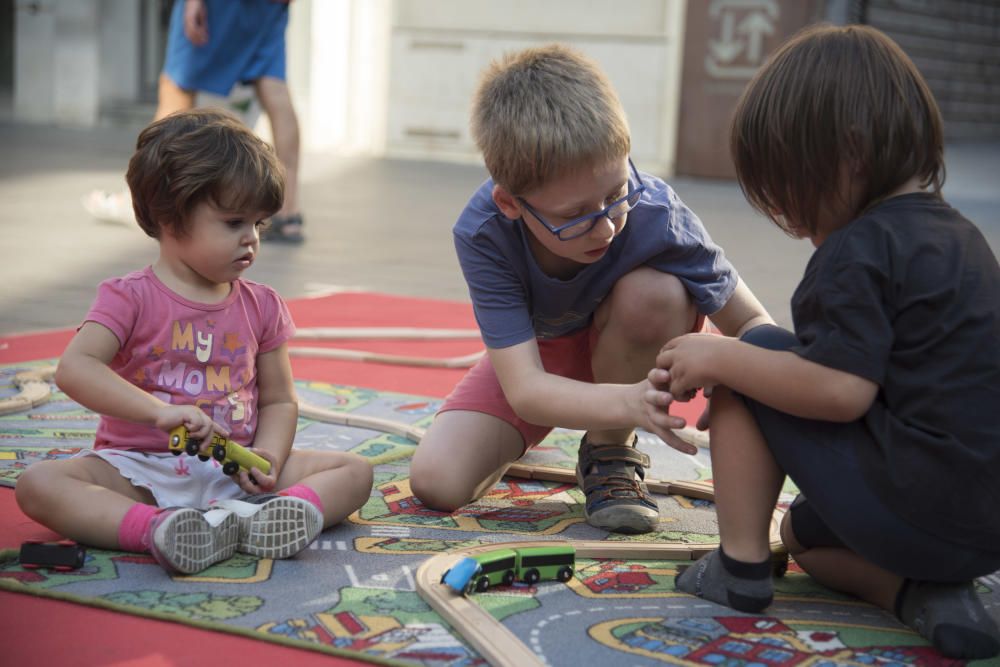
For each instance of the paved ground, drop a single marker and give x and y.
(377, 224)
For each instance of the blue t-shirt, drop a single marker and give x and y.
(515, 301)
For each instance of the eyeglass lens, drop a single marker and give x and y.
(616, 210)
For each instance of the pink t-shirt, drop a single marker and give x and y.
(185, 352)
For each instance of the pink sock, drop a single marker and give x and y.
(304, 492)
(133, 533)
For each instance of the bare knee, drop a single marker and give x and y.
(437, 486)
(342, 479)
(35, 486)
(651, 307)
(362, 478)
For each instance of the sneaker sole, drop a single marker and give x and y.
(188, 543)
(627, 519)
(281, 528)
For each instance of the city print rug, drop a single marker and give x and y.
(353, 591)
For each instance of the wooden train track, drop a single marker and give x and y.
(385, 333)
(33, 389)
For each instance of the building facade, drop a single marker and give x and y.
(394, 77)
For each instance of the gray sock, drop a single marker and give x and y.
(950, 616)
(717, 577)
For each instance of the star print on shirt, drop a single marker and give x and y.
(231, 345)
(140, 377)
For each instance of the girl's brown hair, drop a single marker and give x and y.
(202, 155)
(834, 98)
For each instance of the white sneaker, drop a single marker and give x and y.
(187, 540)
(274, 526)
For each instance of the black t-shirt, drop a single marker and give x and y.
(908, 296)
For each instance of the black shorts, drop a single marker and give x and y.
(839, 507)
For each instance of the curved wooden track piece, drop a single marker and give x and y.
(33, 390)
(489, 637)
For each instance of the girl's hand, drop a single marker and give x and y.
(654, 411)
(198, 424)
(256, 481)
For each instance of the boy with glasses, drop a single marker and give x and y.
(580, 269)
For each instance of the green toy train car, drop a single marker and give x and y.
(504, 566)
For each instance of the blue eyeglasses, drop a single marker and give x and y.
(580, 226)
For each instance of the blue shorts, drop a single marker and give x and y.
(838, 507)
(246, 41)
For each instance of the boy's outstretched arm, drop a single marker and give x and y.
(277, 414)
(547, 399)
(85, 376)
(781, 379)
(741, 313)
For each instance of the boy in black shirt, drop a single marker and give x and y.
(884, 405)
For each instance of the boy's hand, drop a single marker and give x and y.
(655, 410)
(256, 481)
(198, 424)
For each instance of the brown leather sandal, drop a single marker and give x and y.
(611, 477)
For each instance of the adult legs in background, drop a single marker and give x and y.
(172, 98)
(286, 225)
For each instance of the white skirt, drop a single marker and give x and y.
(174, 481)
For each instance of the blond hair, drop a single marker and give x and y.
(543, 112)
